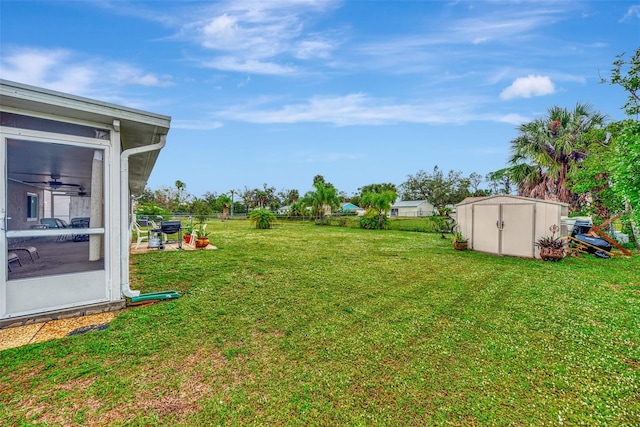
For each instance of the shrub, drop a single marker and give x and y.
(323, 221)
(371, 221)
(262, 218)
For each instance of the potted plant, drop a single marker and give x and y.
(460, 242)
(187, 233)
(551, 247)
(202, 237)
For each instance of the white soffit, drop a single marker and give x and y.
(138, 128)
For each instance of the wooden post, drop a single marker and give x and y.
(609, 239)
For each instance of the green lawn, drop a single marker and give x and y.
(309, 325)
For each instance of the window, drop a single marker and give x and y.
(32, 207)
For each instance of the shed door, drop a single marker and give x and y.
(486, 237)
(517, 225)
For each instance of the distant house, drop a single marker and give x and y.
(283, 210)
(412, 208)
(352, 209)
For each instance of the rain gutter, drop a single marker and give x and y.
(125, 238)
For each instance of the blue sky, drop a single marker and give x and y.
(360, 92)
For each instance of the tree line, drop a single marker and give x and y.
(575, 156)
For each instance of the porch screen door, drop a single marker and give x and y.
(54, 252)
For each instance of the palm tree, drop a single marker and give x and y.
(379, 203)
(547, 148)
(324, 196)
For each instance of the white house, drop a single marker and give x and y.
(69, 162)
(412, 208)
(283, 210)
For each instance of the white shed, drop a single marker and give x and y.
(70, 166)
(412, 208)
(508, 225)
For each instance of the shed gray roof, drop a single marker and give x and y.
(469, 200)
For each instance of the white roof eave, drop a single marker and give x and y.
(138, 128)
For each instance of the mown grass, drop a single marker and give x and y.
(309, 325)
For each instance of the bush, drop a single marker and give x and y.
(370, 221)
(323, 221)
(262, 218)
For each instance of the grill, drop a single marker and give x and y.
(170, 227)
(166, 227)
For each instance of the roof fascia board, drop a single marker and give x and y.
(9, 89)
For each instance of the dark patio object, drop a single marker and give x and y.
(594, 245)
(80, 222)
(171, 227)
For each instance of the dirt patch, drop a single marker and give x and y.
(173, 392)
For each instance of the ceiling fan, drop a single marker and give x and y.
(80, 192)
(54, 183)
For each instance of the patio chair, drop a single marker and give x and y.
(192, 240)
(31, 250)
(13, 257)
(140, 235)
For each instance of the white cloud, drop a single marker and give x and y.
(358, 109)
(66, 71)
(503, 24)
(634, 11)
(308, 49)
(513, 118)
(231, 63)
(250, 35)
(526, 87)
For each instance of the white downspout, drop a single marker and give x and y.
(125, 238)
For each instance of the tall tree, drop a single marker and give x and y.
(173, 199)
(627, 74)
(627, 155)
(288, 197)
(475, 179)
(320, 178)
(547, 148)
(324, 197)
(499, 181)
(201, 209)
(223, 203)
(436, 187)
(211, 199)
(248, 198)
(592, 178)
(377, 188)
(379, 204)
